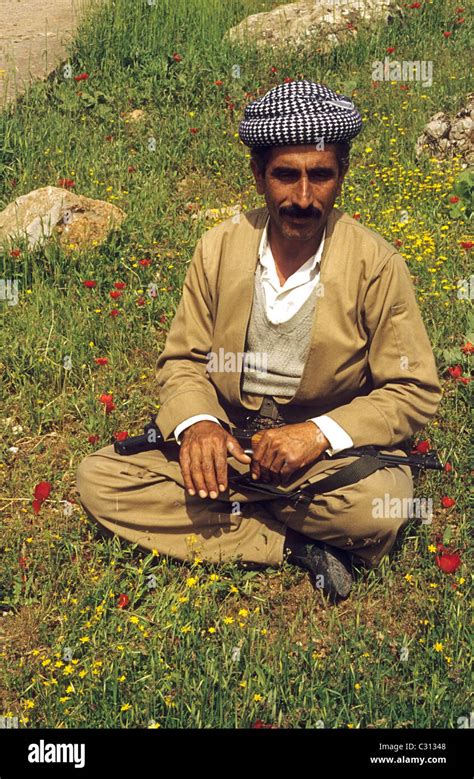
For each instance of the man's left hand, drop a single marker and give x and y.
(280, 451)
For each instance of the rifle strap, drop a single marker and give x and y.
(361, 467)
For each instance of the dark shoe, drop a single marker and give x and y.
(329, 566)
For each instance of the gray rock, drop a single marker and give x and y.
(445, 137)
(75, 219)
(319, 25)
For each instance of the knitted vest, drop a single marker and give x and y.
(276, 353)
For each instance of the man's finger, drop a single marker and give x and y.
(184, 462)
(208, 469)
(235, 449)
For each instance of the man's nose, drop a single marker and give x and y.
(302, 195)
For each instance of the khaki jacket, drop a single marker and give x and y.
(370, 365)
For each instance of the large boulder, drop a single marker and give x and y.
(317, 24)
(75, 219)
(445, 137)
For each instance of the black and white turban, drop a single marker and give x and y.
(299, 112)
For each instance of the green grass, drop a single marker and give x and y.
(168, 656)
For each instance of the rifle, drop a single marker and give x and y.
(369, 460)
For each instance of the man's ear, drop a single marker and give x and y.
(259, 179)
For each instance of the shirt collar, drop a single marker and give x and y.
(267, 260)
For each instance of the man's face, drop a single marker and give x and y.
(300, 186)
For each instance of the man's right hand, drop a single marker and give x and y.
(203, 458)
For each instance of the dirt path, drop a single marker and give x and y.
(32, 37)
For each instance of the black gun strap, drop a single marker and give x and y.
(351, 473)
(363, 466)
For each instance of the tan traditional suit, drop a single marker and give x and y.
(370, 367)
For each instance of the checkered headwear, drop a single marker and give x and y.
(299, 112)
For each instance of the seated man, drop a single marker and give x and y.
(327, 308)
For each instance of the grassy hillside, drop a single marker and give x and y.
(212, 646)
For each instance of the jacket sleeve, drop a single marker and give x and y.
(406, 389)
(185, 387)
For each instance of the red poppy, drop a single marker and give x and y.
(448, 561)
(101, 360)
(109, 407)
(390, 49)
(231, 106)
(177, 57)
(121, 436)
(140, 301)
(90, 284)
(81, 77)
(145, 263)
(356, 215)
(468, 348)
(447, 33)
(467, 244)
(37, 503)
(193, 130)
(287, 80)
(446, 502)
(22, 562)
(123, 600)
(218, 83)
(273, 69)
(459, 10)
(131, 169)
(422, 447)
(115, 312)
(105, 398)
(120, 285)
(42, 490)
(454, 199)
(115, 294)
(460, 21)
(93, 439)
(260, 724)
(405, 87)
(448, 467)
(398, 242)
(415, 5)
(66, 183)
(351, 26)
(108, 137)
(15, 253)
(455, 371)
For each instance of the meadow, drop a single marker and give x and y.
(95, 633)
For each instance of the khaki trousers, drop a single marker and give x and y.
(142, 499)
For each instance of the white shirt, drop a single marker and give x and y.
(281, 303)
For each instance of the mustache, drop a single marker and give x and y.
(309, 213)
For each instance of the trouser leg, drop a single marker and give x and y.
(361, 518)
(142, 499)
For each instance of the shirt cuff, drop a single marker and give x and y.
(337, 437)
(196, 418)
